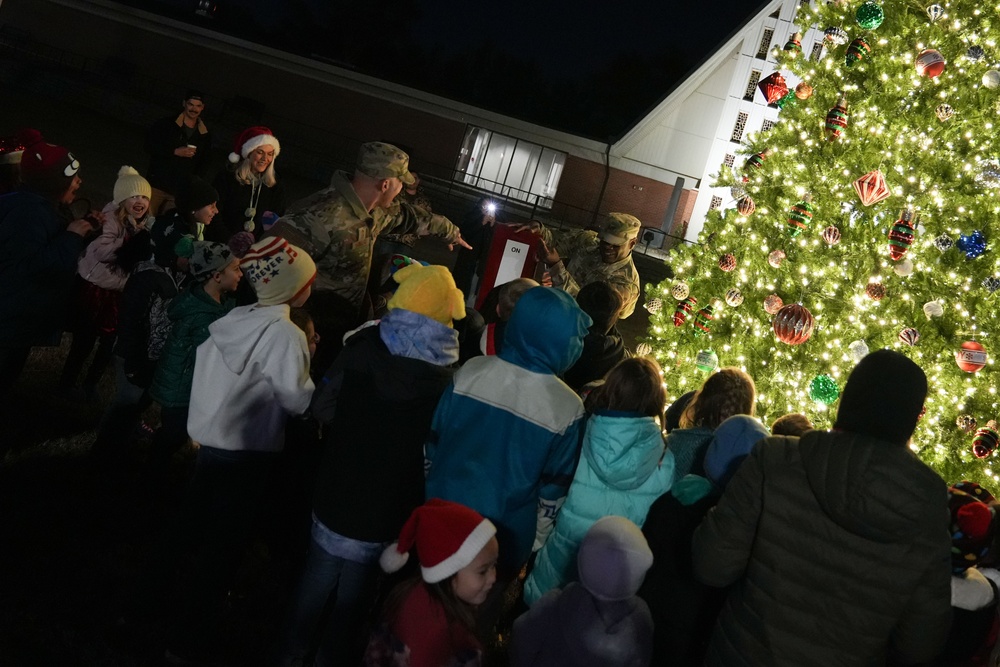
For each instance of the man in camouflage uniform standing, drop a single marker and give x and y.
(604, 257)
(338, 227)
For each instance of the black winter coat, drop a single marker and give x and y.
(839, 551)
(372, 474)
(167, 171)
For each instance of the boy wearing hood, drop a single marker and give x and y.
(249, 376)
(507, 431)
(600, 620)
(836, 544)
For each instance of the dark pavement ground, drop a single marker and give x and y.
(74, 535)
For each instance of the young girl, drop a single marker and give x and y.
(429, 621)
(724, 394)
(104, 267)
(623, 468)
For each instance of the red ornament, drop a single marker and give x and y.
(793, 324)
(755, 161)
(984, 442)
(745, 206)
(930, 63)
(872, 188)
(774, 87)
(684, 308)
(773, 304)
(971, 358)
(727, 262)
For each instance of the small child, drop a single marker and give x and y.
(603, 347)
(371, 475)
(974, 625)
(508, 295)
(216, 274)
(598, 621)
(724, 394)
(683, 609)
(249, 375)
(794, 423)
(430, 620)
(104, 268)
(623, 469)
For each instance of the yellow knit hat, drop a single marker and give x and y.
(131, 184)
(429, 291)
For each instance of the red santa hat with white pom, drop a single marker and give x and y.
(448, 537)
(250, 140)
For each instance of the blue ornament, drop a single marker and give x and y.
(973, 245)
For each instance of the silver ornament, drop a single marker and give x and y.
(903, 268)
(858, 350)
(975, 53)
(738, 192)
(989, 173)
(933, 309)
(966, 422)
(991, 79)
(991, 283)
(944, 112)
(836, 35)
(734, 297)
(654, 306)
(643, 350)
(934, 12)
(680, 291)
(944, 242)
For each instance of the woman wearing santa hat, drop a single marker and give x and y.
(250, 195)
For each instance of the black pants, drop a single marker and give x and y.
(83, 343)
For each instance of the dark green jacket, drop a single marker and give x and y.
(191, 313)
(838, 550)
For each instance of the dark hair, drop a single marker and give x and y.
(633, 385)
(602, 302)
(301, 318)
(455, 610)
(724, 394)
(794, 423)
(672, 417)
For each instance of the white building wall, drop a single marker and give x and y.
(757, 110)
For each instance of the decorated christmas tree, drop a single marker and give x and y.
(866, 218)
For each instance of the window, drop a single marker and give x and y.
(716, 203)
(741, 124)
(765, 43)
(509, 167)
(729, 159)
(817, 51)
(752, 85)
(766, 125)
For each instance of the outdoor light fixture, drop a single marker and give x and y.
(491, 207)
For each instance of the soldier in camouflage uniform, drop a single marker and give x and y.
(338, 227)
(604, 257)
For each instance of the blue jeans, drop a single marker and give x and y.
(332, 581)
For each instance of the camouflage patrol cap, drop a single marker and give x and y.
(620, 228)
(381, 160)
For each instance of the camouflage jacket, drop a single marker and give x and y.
(586, 266)
(337, 231)
(417, 201)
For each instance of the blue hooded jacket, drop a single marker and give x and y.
(624, 468)
(506, 433)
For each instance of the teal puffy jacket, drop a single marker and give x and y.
(623, 469)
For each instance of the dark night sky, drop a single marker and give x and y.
(587, 67)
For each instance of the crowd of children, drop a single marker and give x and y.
(645, 530)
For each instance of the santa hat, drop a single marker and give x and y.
(448, 537)
(278, 271)
(43, 161)
(131, 184)
(250, 140)
(11, 148)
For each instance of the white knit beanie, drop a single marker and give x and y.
(278, 271)
(131, 184)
